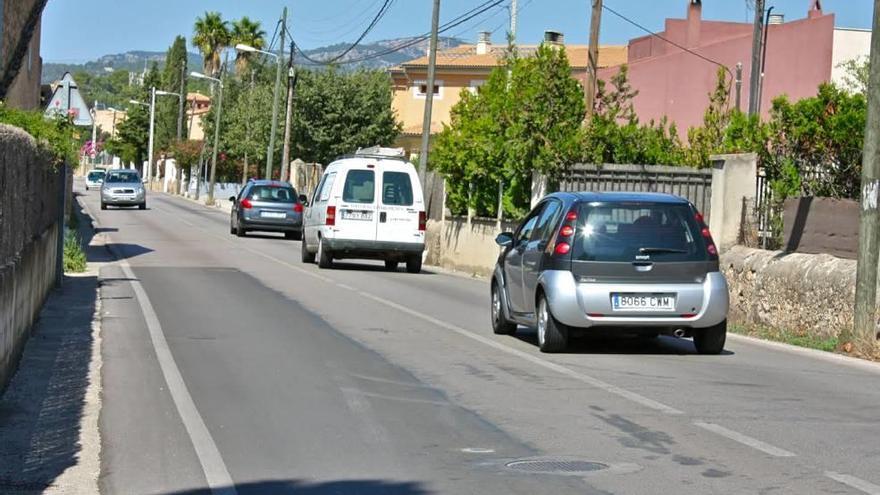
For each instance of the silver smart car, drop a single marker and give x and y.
(123, 188)
(636, 263)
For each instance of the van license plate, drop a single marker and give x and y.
(357, 215)
(643, 302)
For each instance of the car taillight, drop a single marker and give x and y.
(331, 216)
(707, 235)
(246, 204)
(423, 221)
(298, 208)
(562, 244)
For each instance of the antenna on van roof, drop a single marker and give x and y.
(380, 151)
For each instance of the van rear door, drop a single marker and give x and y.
(400, 205)
(356, 214)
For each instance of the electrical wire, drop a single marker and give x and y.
(518, 11)
(461, 19)
(274, 36)
(382, 12)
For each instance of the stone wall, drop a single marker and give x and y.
(29, 210)
(803, 293)
(455, 244)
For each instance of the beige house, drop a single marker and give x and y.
(108, 120)
(197, 106)
(467, 67)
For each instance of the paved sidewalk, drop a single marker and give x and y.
(49, 440)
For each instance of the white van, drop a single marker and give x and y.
(370, 206)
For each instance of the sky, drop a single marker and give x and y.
(75, 31)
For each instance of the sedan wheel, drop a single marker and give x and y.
(552, 335)
(500, 324)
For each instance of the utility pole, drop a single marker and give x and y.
(739, 85)
(270, 153)
(152, 129)
(593, 58)
(763, 60)
(755, 70)
(513, 18)
(291, 80)
(181, 102)
(864, 331)
(429, 93)
(94, 156)
(246, 167)
(210, 199)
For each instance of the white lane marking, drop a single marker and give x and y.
(351, 390)
(853, 482)
(216, 473)
(830, 357)
(477, 450)
(589, 380)
(745, 440)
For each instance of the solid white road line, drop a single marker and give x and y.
(745, 440)
(216, 474)
(853, 482)
(829, 357)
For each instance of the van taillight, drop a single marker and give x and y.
(704, 231)
(246, 204)
(331, 216)
(423, 221)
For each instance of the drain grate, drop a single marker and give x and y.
(556, 466)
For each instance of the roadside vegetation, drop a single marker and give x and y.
(829, 344)
(59, 137)
(74, 256)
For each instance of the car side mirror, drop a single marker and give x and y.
(232, 199)
(304, 199)
(504, 239)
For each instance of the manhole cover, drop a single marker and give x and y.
(556, 466)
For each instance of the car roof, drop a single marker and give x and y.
(266, 182)
(621, 197)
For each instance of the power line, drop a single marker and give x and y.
(382, 12)
(667, 40)
(461, 19)
(519, 10)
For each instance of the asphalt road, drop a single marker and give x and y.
(231, 367)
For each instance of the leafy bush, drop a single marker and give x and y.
(56, 136)
(74, 257)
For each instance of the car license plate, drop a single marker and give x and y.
(357, 215)
(272, 214)
(643, 302)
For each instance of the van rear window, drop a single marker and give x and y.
(625, 232)
(397, 189)
(360, 187)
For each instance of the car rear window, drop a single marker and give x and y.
(96, 175)
(272, 194)
(122, 177)
(397, 189)
(626, 232)
(360, 187)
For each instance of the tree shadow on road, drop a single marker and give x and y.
(342, 487)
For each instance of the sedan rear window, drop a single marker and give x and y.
(272, 194)
(360, 187)
(122, 178)
(625, 232)
(96, 175)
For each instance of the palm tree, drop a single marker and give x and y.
(247, 32)
(211, 35)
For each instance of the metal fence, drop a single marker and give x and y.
(693, 184)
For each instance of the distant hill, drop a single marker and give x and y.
(136, 60)
(130, 61)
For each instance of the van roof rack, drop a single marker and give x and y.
(378, 153)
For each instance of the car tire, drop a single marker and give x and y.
(552, 335)
(142, 206)
(240, 231)
(325, 258)
(87, 188)
(103, 205)
(307, 257)
(391, 265)
(293, 236)
(500, 324)
(711, 340)
(414, 264)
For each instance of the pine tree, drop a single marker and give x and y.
(167, 107)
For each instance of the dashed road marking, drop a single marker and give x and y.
(745, 440)
(853, 482)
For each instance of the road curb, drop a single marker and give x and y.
(830, 357)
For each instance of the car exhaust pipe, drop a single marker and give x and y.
(678, 333)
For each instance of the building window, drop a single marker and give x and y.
(420, 89)
(475, 85)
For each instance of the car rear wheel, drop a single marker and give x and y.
(240, 231)
(414, 264)
(307, 257)
(142, 206)
(500, 324)
(552, 335)
(711, 340)
(103, 205)
(391, 265)
(325, 259)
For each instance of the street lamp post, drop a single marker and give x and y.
(210, 199)
(153, 94)
(278, 56)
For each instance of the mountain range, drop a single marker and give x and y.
(376, 55)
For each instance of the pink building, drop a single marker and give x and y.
(671, 82)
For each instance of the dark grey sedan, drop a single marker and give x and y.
(267, 206)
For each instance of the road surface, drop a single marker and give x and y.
(231, 367)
